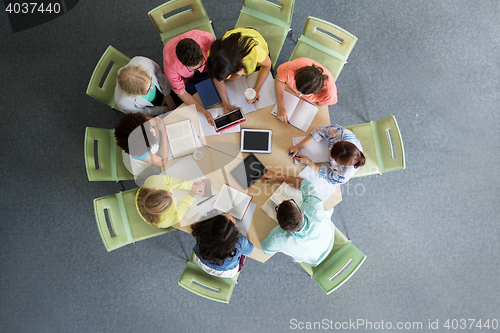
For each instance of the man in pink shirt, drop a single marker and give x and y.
(309, 80)
(182, 57)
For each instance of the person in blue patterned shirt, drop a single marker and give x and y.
(346, 153)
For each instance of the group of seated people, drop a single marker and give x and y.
(143, 92)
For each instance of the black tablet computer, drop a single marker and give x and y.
(248, 171)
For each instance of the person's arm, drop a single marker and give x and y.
(269, 245)
(295, 149)
(279, 86)
(177, 183)
(265, 68)
(162, 138)
(271, 176)
(220, 86)
(190, 100)
(246, 246)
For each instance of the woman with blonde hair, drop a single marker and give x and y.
(142, 87)
(156, 204)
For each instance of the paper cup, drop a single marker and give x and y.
(250, 95)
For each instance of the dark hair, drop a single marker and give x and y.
(347, 154)
(138, 124)
(289, 216)
(188, 52)
(310, 79)
(226, 55)
(217, 238)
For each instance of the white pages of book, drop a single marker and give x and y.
(181, 138)
(300, 113)
(236, 89)
(284, 192)
(208, 130)
(232, 201)
(317, 151)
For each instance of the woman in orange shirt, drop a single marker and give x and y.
(309, 80)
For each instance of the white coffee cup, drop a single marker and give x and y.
(250, 95)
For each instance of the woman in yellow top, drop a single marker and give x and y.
(156, 204)
(239, 52)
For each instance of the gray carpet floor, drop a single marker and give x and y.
(430, 232)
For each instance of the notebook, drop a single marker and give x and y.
(300, 113)
(233, 201)
(208, 93)
(181, 138)
(236, 92)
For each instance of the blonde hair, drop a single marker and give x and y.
(131, 79)
(153, 203)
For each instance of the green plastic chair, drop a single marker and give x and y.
(119, 222)
(317, 45)
(205, 285)
(106, 92)
(342, 262)
(270, 20)
(169, 27)
(382, 146)
(103, 157)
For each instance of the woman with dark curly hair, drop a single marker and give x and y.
(220, 248)
(239, 52)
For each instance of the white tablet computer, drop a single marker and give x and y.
(256, 140)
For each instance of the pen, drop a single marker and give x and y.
(210, 197)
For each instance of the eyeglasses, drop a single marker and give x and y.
(276, 207)
(195, 69)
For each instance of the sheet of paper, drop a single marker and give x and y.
(290, 102)
(208, 130)
(324, 188)
(317, 151)
(235, 92)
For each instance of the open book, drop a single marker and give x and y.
(284, 192)
(207, 130)
(300, 113)
(181, 138)
(317, 151)
(233, 201)
(236, 92)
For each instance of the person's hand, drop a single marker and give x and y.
(257, 97)
(293, 151)
(269, 176)
(209, 117)
(198, 188)
(281, 114)
(228, 108)
(168, 103)
(156, 123)
(303, 159)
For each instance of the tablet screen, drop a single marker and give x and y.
(227, 119)
(248, 171)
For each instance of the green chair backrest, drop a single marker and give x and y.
(103, 157)
(382, 146)
(169, 27)
(271, 20)
(119, 223)
(106, 92)
(203, 284)
(342, 262)
(321, 46)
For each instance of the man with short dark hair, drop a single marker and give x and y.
(184, 58)
(305, 233)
